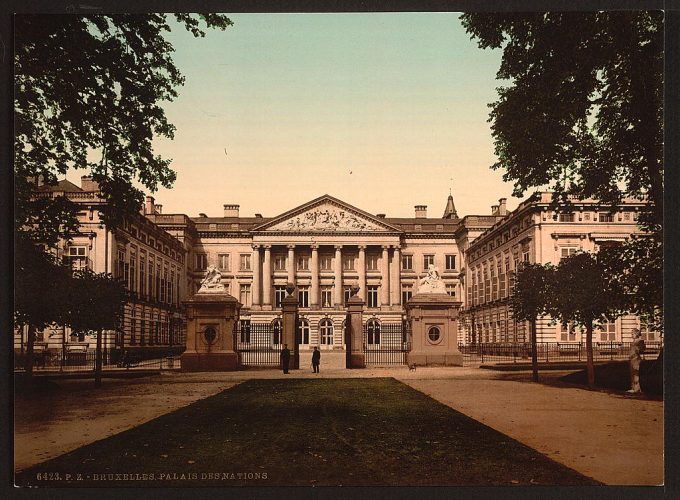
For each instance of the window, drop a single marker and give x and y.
(150, 276)
(434, 335)
(326, 332)
(566, 217)
(276, 332)
(487, 285)
(303, 263)
(428, 260)
(326, 262)
(244, 331)
(372, 262)
(120, 264)
(407, 262)
(223, 261)
(279, 295)
(347, 292)
(304, 332)
(501, 279)
(133, 325)
(132, 284)
(372, 296)
(406, 293)
(303, 296)
(373, 332)
(244, 262)
(279, 262)
(450, 262)
(646, 332)
(348, 262)
(567, 251)
(142, 275)
(494, 281)
(451, 290)
(606, 217)
(326, 296)
(567, 332)
(607, 331)
(201, 262)
(525, 252)
(244, 295)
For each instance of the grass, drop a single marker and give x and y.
(308, 432)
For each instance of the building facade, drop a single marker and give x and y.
(536, 233)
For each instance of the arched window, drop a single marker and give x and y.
(373, 332)
(304, 332)
(326, 331)
(276, 331)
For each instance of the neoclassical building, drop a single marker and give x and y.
(324, 247)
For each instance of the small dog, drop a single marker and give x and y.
(412, 367)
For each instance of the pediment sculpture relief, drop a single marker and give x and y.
(326, 218)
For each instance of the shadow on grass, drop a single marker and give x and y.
(307, 432)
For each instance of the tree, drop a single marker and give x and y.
(532, 290)
(581, 113)
(88, 94)
(587, 297)
(97, 304)
(582, 110)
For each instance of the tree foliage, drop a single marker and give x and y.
(581, 112)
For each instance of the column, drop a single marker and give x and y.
(385, 271)
(362, 272)
(256, 275)
(314, 289)
(395, 278)
(267, 277)
(337, 268)
(290, 265)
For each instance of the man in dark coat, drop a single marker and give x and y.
(285, 358)
(316, 359)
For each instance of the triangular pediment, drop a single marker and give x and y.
(327, 215)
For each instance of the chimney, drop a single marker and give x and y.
(231, 210)
(158, 209)
(380, 216)
(87, 184)
(502, 210)
(202, 215)
(421, 211)
(148, 208)
(494, 209)
(258, 216)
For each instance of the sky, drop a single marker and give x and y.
(382, 110)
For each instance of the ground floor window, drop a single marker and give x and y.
(276, 332)
(244, 331)
(304, 332)
(326, 331)
(607, 331)
(373, 332)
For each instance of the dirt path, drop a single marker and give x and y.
(615, 439)
(50, 424)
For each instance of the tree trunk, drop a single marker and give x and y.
(98, 361)
(534, 353)
(28, 359)
(590, 367)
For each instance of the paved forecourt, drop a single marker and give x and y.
(611, 438)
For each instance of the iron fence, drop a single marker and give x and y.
(386, 343)
(552, 352)
(259, 344)
(79, 361)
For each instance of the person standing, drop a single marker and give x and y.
(285, 358)
(316, 359)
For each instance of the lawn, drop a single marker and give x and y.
(306, 432)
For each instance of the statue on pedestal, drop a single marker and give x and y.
(212, 283)
(637, 349)
(432, 282)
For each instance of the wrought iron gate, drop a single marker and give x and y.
(259, 344)
(386, 343)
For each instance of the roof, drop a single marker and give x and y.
(63, 185)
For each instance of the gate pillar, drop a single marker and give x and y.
(290, 326)
(211, 318)
(355, 331)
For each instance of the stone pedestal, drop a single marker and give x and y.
(289, 305)
(210, 333)
(433, 318)
(355, 331)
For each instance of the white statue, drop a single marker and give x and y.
(212, 283)
(637, 349)
(432, 282)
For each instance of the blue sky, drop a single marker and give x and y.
(384, 111)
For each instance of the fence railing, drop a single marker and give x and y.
(552, 352)
(386, 343)
(259, 344)
(78, 361)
